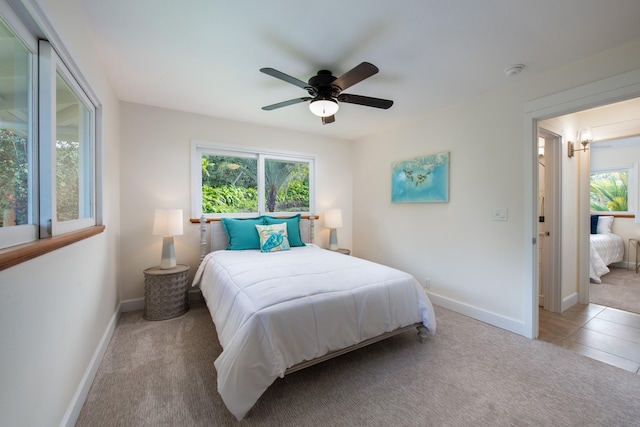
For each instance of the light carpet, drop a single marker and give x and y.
(620, 288)
(469, 373)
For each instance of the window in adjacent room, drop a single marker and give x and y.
(613, 189)
(245, 182)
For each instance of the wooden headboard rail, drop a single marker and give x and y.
(218, 237)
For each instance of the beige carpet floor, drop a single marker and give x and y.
(468, 374)
(620, 288)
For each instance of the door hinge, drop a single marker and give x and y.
(534, 241)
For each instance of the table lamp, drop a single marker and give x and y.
(167, 223)
(333, 220)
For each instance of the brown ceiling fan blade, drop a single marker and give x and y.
(286, 103)
(355, 75)
(285, 77)
(365, 100)
(327, 120)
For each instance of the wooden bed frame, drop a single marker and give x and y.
(219, 240)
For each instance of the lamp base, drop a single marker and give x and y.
(333, 239)
(168, 260)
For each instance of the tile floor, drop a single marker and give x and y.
(603, 333)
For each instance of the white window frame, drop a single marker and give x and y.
(632, 189)
(47, 62)
(199, 147)
(51, 65)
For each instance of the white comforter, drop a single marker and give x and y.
(605, 249)
(274, 310)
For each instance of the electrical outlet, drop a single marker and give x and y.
(427, 282)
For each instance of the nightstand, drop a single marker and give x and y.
(342, 251)
(165, 292)
(636, 244)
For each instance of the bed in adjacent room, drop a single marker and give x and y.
(605, 247)
(280, 304)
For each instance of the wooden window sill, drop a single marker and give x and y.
(21, 253)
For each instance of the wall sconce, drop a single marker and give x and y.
(167, 223)
(584, 137)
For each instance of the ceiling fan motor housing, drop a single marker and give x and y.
(321, 86)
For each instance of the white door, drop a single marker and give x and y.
(549, 211)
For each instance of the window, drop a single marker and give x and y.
(48, 139)
(613, 189)
(246, 182)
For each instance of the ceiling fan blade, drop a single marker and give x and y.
(355, 75)
(327, 120)
(286, 103)
(365, 100)
(285, 77)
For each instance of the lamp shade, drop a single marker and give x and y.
(333, 218)
(167, 222)
(585, 135)
(323, 107)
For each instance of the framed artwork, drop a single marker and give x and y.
(421, 180)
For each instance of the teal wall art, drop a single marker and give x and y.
(421, 180)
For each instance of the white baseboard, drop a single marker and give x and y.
(569, 301)
(503, 322)
(132, 305)
(73, 411)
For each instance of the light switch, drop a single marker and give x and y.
(500, 214)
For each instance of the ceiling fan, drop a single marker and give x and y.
(325, 90)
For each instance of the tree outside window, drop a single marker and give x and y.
(252, 182)
(610, 191)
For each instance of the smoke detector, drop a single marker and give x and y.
(513, 70)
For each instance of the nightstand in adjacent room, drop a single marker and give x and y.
(165, 292)
(635, 243)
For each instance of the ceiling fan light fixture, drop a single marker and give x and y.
(323, 107)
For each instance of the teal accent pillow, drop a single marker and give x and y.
(242, 232)
(273, 238)
(293, 228)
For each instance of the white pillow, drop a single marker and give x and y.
(604, 224)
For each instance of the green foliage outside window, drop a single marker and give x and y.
(229, 185)
(67, 180)
(14, 184)
(609, 191)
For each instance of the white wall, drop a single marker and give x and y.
(476, 265)
(155, 162)
(55, 309)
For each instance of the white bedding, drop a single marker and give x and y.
(274, 310)
(605, 249)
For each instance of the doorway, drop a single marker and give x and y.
(575, 250)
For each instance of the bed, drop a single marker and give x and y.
(605, 247)
(281, 311)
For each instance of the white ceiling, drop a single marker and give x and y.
(204, 56)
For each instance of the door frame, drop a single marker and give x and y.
(606, 91)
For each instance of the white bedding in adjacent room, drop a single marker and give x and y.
(605, 249)
(274, 310)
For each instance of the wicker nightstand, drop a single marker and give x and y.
(165, 292)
